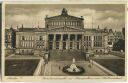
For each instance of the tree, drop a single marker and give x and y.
(119, 45)
(13, 39)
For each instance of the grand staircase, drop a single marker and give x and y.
(59, 55)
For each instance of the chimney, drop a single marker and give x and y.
(38, 26)
(17, 27)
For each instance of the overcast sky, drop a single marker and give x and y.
(30, 15)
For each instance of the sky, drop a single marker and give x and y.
(31, 15)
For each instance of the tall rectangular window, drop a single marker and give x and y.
(77, 45)
(40, 38)
(71, 45)
(22, 37)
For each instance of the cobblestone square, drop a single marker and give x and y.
(89, 71)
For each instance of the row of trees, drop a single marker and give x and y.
(119, 45)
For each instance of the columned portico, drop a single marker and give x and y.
(64, 41)
(54, 42)
(68, 42)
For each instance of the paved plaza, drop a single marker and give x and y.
(52, 69)
(55, 65)
(107, 56)
(64, 44)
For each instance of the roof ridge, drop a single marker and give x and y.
(64, 16)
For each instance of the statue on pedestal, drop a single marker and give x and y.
(73, 60)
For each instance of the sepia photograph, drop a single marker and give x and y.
(64, 40)
(0, 35)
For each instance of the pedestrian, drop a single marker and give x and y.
(89, 59)
(59, 67)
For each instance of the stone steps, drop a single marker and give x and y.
(66, 55)
(47, 70)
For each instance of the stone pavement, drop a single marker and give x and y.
(109, 56)
(52, 68)
(47, 70)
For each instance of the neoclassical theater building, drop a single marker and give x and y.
(62, 32)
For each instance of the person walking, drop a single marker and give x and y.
(59, 68)
(89, 59)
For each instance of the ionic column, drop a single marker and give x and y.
(54, 42)
(75, 42)
(67, 42)
(61, 42)
(75, 23)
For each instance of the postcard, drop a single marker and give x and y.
(45, 41)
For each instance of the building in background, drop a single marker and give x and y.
(62, 32)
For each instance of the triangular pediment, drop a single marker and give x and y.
(67, 29)
(65, 17)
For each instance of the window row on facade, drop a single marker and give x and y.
(96, 38)
(26, 51)
(31, 38)
(27, 44)
(111, 38)
(40, 44)
(64, 37)
(87, 44)
(97, 44)
(62, 23)
(87, 38)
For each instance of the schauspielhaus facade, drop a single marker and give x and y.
(62, 32)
